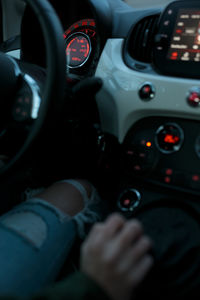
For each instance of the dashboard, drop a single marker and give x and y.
(151, 87)
(82, 43)
(148, 59)
(82, 46)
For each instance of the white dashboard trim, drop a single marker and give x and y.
(119, 103)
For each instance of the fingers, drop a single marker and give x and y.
(131, 231)
(133, 255)
(115, 254)
(102, 234)
(114, 224)
(105, 231)
(128, 234)
(140, 270)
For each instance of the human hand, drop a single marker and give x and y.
(115, 255)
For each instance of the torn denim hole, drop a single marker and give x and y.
(62, 217)
(29, 225)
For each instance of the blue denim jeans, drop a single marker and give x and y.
(35, 239)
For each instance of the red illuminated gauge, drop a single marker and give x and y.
(87, 26)
(80, 39)
(78, 49)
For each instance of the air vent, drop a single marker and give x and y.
(141, 39)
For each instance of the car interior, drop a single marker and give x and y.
(109, 91)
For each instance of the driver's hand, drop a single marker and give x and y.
(115, 255)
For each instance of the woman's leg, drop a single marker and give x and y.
(36, 237)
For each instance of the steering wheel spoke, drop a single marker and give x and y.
(27, 101)
(27, 104)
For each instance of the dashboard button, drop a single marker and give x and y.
(129, 200)
(147, 91)
(169, 138)
(193, 98)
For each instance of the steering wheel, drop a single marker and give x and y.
(24, 104)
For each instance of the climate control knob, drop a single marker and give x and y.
(128, 200)
(169, 138)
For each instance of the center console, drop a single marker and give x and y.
(164, 151)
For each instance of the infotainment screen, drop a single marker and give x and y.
(185, 41)
(177, 42)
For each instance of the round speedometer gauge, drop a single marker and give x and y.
(80, 42)
(78, 49)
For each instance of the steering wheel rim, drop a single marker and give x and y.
(56, 71)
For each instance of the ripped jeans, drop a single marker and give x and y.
(35, 240)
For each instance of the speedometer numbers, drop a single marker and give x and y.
(80, 41)
(78, 49)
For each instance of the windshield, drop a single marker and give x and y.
(147, 3)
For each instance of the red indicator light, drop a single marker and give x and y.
(147, 89)
(92, 23)
(126, 202)
(84, 23)
(130, 152)
(137, 168)
(174, 55)
(194, 97)
(148, 144)
(179, 31)
(195, 178)
(169, 172)
(167, 179)
(171, 139)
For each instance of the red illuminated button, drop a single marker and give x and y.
(194, 181)
(147, 91)
(167, 179)
(174, 56)
(169, 138)
(22, 108)
(195, 178)
(129, 200)
(194, 97)
(168, 172)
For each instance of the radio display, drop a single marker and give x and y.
(176, 49)
(185, 42)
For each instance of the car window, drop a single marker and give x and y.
(147, 3)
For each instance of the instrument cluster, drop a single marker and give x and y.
(81, 46)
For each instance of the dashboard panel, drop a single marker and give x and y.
(166, 105)
(79, 32)
(82, 47)
(177, 41)
(143, 78)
